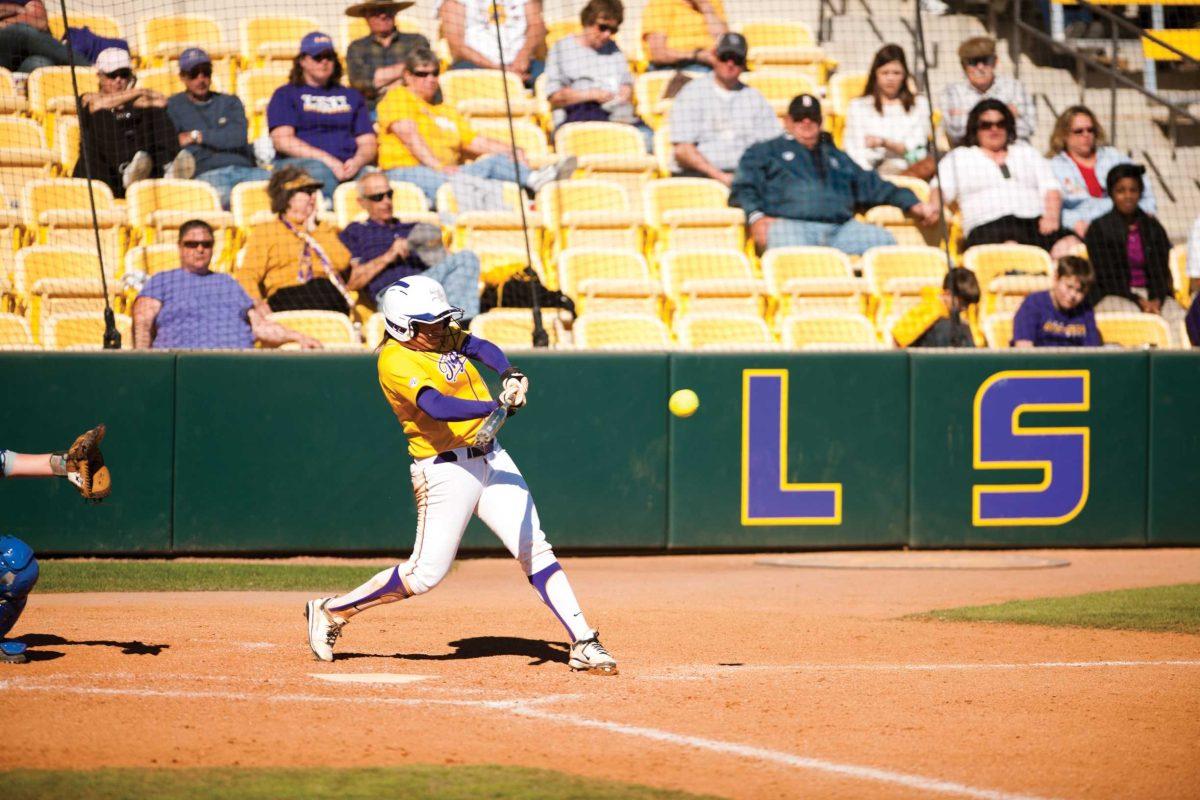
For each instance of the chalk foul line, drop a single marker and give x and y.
(702, 671)
(528, 709)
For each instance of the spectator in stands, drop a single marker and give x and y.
(425, 144)
(800, 190)
(1060, 317)
(1004, 188)
(212, 127)
(126, 133)
(1130, 251)
(978, 58)
(938, 320)
(1193, 258)
(470, 29)
(295, 262)
(712, 122)
(25, 39)
(381, 253)
(1081, 159)
(316, 123)
(682, 34)
(887, 129)
(194, 308)
(588, 77)
(375, 62)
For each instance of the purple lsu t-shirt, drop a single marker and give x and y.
(1040, 322)
(199, 311)
(328, 119)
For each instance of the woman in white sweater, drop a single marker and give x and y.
(887, 129)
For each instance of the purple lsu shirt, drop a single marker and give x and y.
(328, 119)
(1040, 322)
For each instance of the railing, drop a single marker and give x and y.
(1085, 61)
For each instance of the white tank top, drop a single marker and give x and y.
(481, 26)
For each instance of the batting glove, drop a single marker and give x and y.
(514, 387)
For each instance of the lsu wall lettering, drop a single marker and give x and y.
(1002, 442)
(767, 496)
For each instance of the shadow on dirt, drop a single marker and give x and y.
(538, 651)
(38, 640)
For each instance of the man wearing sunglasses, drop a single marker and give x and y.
(978, 58)
(382, 252)
(212, 128)
(713, 120)
(194, 308)
(125, 130)
(375, 62)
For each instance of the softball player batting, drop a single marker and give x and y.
(441, 402)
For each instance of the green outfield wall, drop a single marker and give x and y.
(298, 453)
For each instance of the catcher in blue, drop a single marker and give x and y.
(83, 466)
(428, 378)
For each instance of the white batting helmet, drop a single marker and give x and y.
(414, 299)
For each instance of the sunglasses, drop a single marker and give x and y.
(731, 59)
(308, 190)
(193, 244)
(328, 55)
(1081, 131)
(121, 74)
(425, 73)
(605, 28)
(192, 74)
(987, 124)
(375, 198)
(979, 61)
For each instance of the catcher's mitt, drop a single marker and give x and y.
(85, 466)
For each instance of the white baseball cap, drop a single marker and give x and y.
(112, 59)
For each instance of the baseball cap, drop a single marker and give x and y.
(732, 44)
(112, 59)
(805, 106)
(316, 43)
(191, 58)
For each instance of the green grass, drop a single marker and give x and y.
(194, 576)
(446, 783)
(1173, 609)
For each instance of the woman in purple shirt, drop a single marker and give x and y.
(316, 123)
(1060, 317)
(1129, 250)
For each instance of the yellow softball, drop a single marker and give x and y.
(684, 403)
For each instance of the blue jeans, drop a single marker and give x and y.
(851, 237)
(459, 276)
(318, 171)
(23, 48)
(494, 167)
(223, 179)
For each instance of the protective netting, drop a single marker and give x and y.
(746, 175)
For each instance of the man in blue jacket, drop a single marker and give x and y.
(798, 190)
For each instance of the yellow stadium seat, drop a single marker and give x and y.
(621, 331)
(499, 264)
(998, 330)
(691, 213)
(560, 29)
(605, 279)
(157, 207)
(901, 271)
(58, 211)
(664, 150)
(153, 258)
(480, 93)
(66, 143)
(588, 212)
(50, 280)
(161, 39)
(513, 327)
(24, 155)
(808, 279)
(249, 204)
(1134, 330)
(504, 229)
(716, 331)
(780, 87)
(786, 44)
(802, 331)
(272, 38)
(11, 102)
(1007, 273)
(843, 87)
(702, 280)
(904, 229)
(1177, 261)
(530, 138)
(83, 330)
(330, 328)
(648, 98)
(14, 330)
(100, 24)
(611, 151)
(255, 87)
(409, 204)
(50, 91)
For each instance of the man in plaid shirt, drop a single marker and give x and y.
(374, 62)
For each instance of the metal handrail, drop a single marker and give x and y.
(1084, 60)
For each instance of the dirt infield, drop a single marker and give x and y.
(737, 679)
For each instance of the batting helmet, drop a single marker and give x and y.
(412, 300)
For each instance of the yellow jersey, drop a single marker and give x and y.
(403, 373)
(920, 318)
(684, 25)
(444, 130)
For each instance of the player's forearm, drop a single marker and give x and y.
(25, 465)
(486, 353)
(452, 409)
(690, 157)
